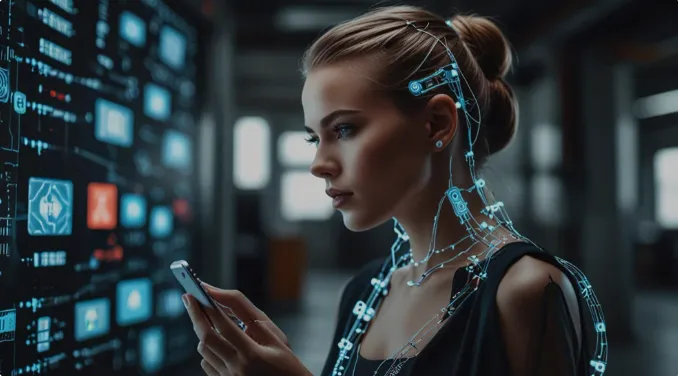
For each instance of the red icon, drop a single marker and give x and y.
(182, 209)
(113, 252)
(102, 206)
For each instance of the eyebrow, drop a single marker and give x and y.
(329, 118)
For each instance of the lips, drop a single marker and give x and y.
(339, 197)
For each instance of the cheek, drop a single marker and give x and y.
(389, 166)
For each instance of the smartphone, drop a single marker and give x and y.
(193, 286)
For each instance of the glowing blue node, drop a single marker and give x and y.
(132, 29)
(20, 102)
(132, 211)
(50, 207)
(152, 349)
(172, 47)
(114, 123)
(598, 366)
(161, 222)
(134, 301)
(92, 319)
(415, 88)
(157, 102)
(458, 203)
(176, 150)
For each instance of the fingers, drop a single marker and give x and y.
(238, 302)
(266, 333)
(209, 370)
(228, 329)
(213, 361)
(206, 334)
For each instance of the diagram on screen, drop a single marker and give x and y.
(50, 207)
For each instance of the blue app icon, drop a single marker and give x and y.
(161, 222)
(157, 102)
(132, 29)
(20, 102)
(172, 47)
(50, 207)
(132, 210)
(114, 123)
(92, 319)
(176, 150)
(169, 304)
(134, 301)
(152, 349)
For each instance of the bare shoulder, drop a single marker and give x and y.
(522, 290)
(527, 277)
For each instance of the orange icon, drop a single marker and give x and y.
(102, 204)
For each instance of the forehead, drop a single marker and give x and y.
(343, 85)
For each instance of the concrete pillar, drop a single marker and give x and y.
(219, 227)
(609, 175)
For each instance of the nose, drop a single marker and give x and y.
(324, 167)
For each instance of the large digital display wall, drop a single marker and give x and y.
(97, 137)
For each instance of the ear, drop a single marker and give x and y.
(442, 120)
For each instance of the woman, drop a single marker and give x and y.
(404, 107)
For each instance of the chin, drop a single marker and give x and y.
(358, 222)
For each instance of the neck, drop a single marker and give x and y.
(418, 222)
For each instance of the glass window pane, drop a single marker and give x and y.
(303, 197)
(251, 162)
(294, 151)
(666, 187)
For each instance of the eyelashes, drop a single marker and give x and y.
(312, 140)
(341, 131)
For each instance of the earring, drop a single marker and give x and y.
(439, 144)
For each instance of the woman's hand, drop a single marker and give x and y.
(228, 351)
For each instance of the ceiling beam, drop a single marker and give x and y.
(565, 20)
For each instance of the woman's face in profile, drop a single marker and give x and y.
(367, 150)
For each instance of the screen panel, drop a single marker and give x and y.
(97, 170)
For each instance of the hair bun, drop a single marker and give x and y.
(487, 44)
(492, 54)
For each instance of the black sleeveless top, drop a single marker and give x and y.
(470, 342)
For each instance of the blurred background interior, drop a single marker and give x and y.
(592, 174)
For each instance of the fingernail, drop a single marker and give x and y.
(185, 300)
(205, 284)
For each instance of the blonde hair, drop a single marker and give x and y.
(402, 53)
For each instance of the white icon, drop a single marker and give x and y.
(50, 207)
(134, 300)
(101, 213)
(91, 318)
(20, 102)
(115, 124)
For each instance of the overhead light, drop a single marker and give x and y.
(300, 18)
(656, 105)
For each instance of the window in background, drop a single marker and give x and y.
(666, 187)
(656, 105)
(251, 144)
(547, 199)
(294, 151)
(303, 197)
(545, 146)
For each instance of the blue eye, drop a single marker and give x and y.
(343, 130)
